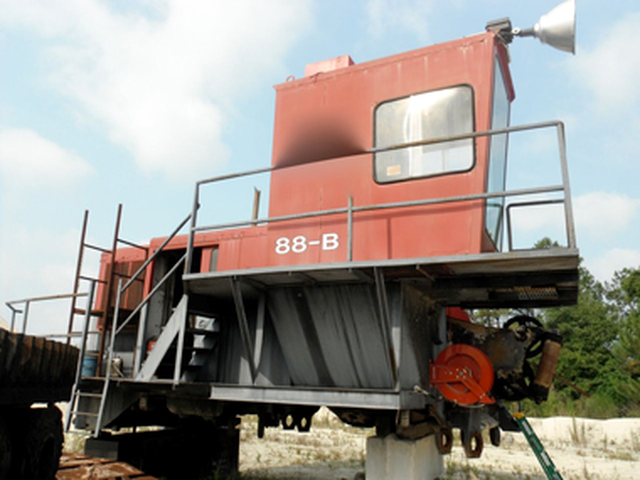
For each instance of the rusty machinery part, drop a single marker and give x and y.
(495, 436)
(510, 350)
(78, 467)
(546, 367)
(463, 374)
(472, 443)
(444, 440)
(523, 327)
(541, 342)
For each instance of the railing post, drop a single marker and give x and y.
(25, 316)
(194, 213)
(350, 230)
(139, 351)
(571, 234)
(13, 317)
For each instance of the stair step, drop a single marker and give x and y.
(201, 331)
(94, 379)
(86, 414)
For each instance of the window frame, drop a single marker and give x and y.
(498, 227)
(474, 153)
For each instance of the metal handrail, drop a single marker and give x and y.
(27, 305)
(117, 329)
(350, 209)
(526, 204)
(149, 295)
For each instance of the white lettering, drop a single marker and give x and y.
(330, 241)
(300, 244)
(282, 246)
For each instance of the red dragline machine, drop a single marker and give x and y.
(386, 218)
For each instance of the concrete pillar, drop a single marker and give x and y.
(390, 457)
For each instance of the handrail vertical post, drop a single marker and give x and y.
(350, 230)
(25, 316)
(194, 213)
(139, 351)
(509, 232)
(13, 318)
(568, 210)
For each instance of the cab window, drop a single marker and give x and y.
(424, 116)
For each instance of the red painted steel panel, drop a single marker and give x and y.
(331, 115)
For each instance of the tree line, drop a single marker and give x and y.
(598, 374)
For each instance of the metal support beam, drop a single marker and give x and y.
(182, 327)
(385, 319)
(244, 326)
(259, 342)
(166, 338)
(331, 397)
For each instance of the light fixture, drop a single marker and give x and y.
(557, 28)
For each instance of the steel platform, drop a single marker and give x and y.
(517, 279)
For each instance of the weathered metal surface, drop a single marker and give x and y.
(335, 397)
(33, 369)
(80, 467)
(544, 277)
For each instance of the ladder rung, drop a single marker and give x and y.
(91, 354)
(92, 279)
(95, 247)
(124, 275)
(77, 333)
(134, 245)
(94, 313)
(89, 395)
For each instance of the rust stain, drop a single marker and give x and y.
(80, 467)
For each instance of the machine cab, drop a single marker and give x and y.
(379, 133)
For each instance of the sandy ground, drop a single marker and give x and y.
(580, 449)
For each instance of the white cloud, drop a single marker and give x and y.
(612, 261)
(603, 214)
(41, 262)
(386, 16)
(611, 71)
(161, 81)
(29, 161)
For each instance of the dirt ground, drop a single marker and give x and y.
(580, 449)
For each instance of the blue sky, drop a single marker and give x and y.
(131, 101)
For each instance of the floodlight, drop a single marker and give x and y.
(557, 28)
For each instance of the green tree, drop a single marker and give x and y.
(624, 296)
(589, 333)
